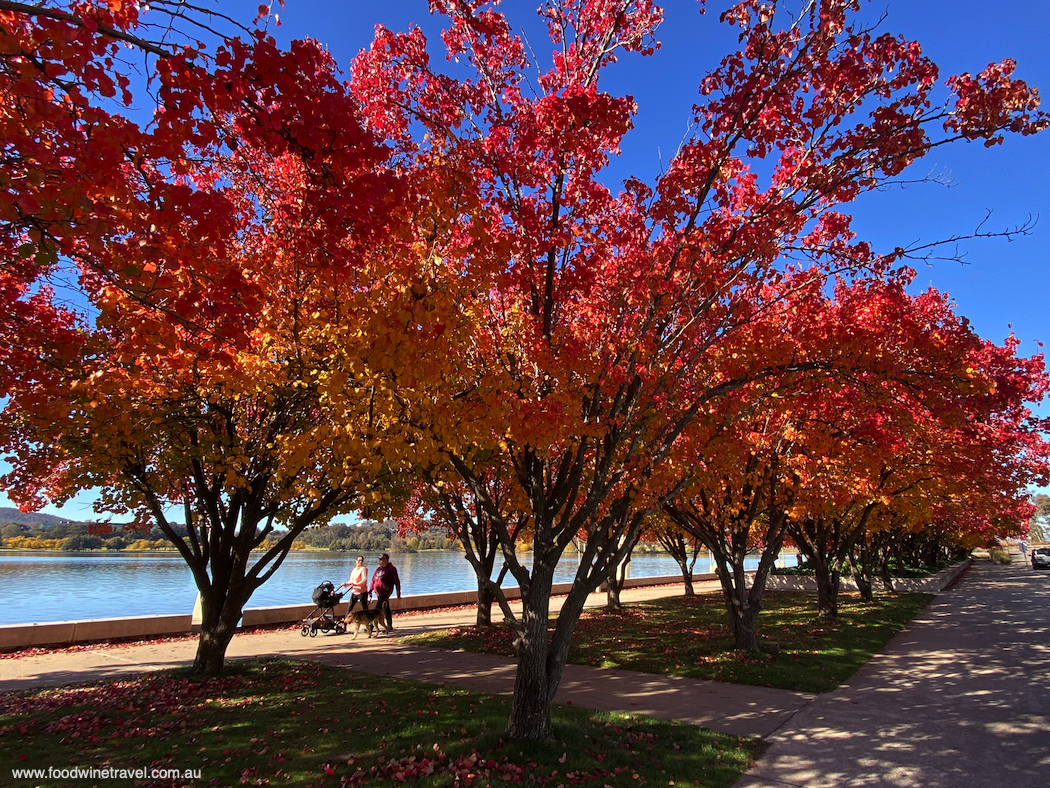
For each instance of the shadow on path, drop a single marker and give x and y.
(958, 699)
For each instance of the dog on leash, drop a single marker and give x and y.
(370, 620)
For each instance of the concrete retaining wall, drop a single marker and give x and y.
(14, 636)
(931, 584)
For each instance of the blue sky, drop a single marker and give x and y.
(1001, 285)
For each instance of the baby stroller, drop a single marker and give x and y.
(323, 619)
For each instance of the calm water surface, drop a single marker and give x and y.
(75, 586)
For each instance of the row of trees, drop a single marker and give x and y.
(69, 536)
(87, 542)
(413, 292)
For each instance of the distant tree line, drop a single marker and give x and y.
(369, 536)
(372, 536)
(77, 536)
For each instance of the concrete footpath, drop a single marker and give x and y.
(958, 699)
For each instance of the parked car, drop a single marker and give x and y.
(1041, 558)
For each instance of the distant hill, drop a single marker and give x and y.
(10, 515)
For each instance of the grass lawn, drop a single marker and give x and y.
(301, 724)
(689, 636)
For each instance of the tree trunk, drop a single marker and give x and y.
(614, 585)
(884, 571)
(728, 544)
(744, 635)
(738, 605)
(481, 548)
(827, 576)
(542, 656)
(687, 579)
(825, 545)
(742, 614)
(219, 617)
(864, 582)
(743, 603)
(485, 599)
(530, 708)
(862, 567)
(616, 581)
(679, 549)
(530, 711)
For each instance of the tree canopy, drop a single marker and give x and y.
(302, 295)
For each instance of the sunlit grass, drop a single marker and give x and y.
(302, 724)
(690, 637)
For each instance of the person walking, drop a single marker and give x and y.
(385, 582)
(358, 583)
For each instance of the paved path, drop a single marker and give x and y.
(959, 699)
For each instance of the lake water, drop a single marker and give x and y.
(40, 587)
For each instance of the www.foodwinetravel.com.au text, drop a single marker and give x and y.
(109, 773)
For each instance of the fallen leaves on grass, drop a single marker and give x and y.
(302, 724)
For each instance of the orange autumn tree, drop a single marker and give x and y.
(976, 493)
(743, 463)
(883, 417)
(735, 504)
(592, 304)
(736, 459)
(242, 264)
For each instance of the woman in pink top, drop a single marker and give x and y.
(358, 583)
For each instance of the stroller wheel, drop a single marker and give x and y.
(340, 629)
(304, 631)
(313, 632)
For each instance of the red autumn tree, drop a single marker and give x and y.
(589, 303)
(69, 151)
(932, 414)
(241, 265)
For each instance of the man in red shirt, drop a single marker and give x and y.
(384, 582)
